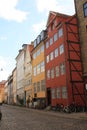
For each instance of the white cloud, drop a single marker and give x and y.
(61, 6)
(8, 11)
(3, 38)
(38, 27)
(6, 66)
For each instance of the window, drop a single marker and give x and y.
(34, 55)
(47, 44)
(43, 35)
(58, 93)
(42, 48)
(47, 59)
(48, 74)
(64, 92)
(61, 49)
(62, 68)
(38, 86)
(38, 39)
(53, 93)
(51, 41)
(52, 73)
(43, 85)
(42, 67)
(56, 52)
(85, 9)
(60, 32)
(57, 71)
(55, 37)
(38, 69)
(35, 89)
(51, 56)
(38, 52)
(34, 71)
(35, 42)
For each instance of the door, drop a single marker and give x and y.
(48, 96)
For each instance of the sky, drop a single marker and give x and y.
(21, 21)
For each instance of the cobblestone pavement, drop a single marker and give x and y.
(17, 118)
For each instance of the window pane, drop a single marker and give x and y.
(51, 56)
(58, 93)
(52, 73)
(53, 94)
(57, 71)
(38, 69)
(42, 48)
(38, 86)
(35, 42)
(64, 92)
(56, 52)
(47, 44)
(38, 52)
(51, 41)
(34, 55)
(47, 58)
(62, 68)
(38, 39)
(48, 74)
(61, 49)
(85, 12)
(43, 85)
(34, 71)
(35, 90)
(60, 32)
(85, 5)
(55, 37)
(42, 67)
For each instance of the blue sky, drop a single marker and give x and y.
(20, 23)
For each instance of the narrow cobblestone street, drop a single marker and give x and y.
(17, 118)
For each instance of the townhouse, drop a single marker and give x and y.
(28, 74)
(6, 92)
(64, 80)
(10, 89)
(20, 75)
(14, 85)
(38, 69)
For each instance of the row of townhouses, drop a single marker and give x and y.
(52, 69)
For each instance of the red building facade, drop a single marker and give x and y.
(63, 61)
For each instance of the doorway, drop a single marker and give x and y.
(48, 96)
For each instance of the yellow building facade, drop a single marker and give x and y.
(38, 68)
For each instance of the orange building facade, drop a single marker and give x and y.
(63, 61)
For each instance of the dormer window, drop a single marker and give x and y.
(38, 39)
(42, 35)
(35, 42)
(85, 9)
